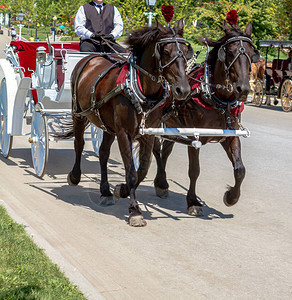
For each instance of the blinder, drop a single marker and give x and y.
(221, 54)
(256, 57)
(190, 52)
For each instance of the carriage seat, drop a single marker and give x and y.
(26, 52)
(277, 70)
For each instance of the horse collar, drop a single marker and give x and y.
(210, 96)
(134, 93)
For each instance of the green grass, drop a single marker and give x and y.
(25, 270)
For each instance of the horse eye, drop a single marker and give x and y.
(166, 52)
(229, 52)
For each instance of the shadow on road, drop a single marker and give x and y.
(61, 162)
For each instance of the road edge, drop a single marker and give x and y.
(69, 270)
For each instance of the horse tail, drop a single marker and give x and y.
(65, 128)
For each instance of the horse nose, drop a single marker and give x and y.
(243, 90)
(181, 92)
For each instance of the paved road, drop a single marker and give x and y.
(242, 252)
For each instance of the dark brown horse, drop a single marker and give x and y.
(229, 63)
(158, 56)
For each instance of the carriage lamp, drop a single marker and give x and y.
(41, 54)
(20, 18)
(151, 3)
(150, 14)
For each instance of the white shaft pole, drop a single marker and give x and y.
(195, 131)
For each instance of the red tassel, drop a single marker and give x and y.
(167, 12)
(232, 17)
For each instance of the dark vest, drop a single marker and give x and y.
(99, 23)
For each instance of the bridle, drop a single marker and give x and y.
(179, 52)
(157, 55)
(208, 93)
(241, 51)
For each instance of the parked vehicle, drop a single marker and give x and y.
(277, 83)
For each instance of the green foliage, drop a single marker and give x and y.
(25, 271)
(271, 19)
(132, 12)
(264, 15)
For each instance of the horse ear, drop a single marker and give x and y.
(248, 29)
(158, 25)
(181, 24)
(209, 42)
(226, 27)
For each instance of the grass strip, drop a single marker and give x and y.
(25, 270)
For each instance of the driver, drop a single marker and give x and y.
(98, 24)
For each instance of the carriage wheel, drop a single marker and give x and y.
(39, 141)
(286, 95)
(96, 136)
(5, 138)
(258, 93)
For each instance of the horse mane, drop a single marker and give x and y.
(235, 31)
(141, 38)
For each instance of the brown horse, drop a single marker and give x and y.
(257, 72)
(158, 58)
(229, 64)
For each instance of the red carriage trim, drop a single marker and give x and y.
(26, 52)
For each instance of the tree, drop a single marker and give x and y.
(270, 18)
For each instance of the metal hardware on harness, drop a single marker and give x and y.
(191, 62)
(132, 90)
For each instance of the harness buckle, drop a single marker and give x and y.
(160, 79)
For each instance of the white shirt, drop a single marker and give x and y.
(83, 33)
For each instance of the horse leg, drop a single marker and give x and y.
(194, 206)
(79, 125)
(233, 150)
(145, 152)
(104, 152)
(161, 156)
(125, 145)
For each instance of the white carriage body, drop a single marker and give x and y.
(43, 79)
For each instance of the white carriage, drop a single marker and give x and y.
(36, 86)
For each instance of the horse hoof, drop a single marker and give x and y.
(72, 180)
(195, 211)
(162, 193)
(227, 201)
(106, 201)
(137, 221)
(117, 191)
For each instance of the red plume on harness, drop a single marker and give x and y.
(232, 17)
(167, 12)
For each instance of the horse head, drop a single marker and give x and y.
(231, 60)
(162, 52)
